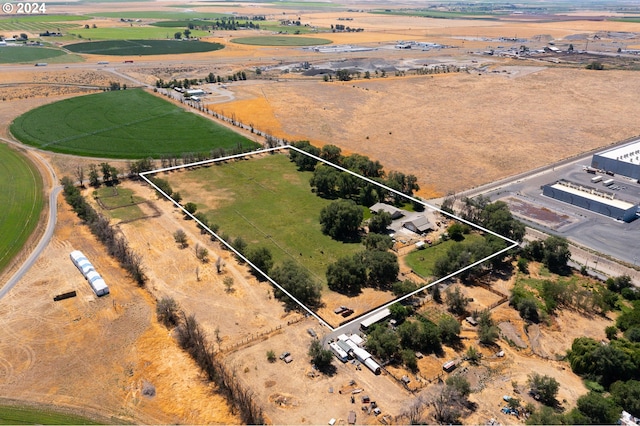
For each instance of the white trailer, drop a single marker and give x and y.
(608, 182)
(596, 179)
(339, 352)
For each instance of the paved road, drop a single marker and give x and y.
(46, 237)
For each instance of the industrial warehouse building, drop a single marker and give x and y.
(591, 199)
(623, 160)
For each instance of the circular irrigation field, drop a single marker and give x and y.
(285, 40)
(143, 47)
(122, 124)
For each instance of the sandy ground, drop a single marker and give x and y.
(447, 130)
(95, 355)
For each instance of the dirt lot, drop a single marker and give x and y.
(97, 355)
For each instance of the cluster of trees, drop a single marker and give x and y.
(330, 182)
(116, 244)
(605, 363)
(374, 267)
(594, 407)
(342, 28)
(321, 358)
(115, 85)
(553, 252)
(561, 293)
(440, 69)
(192, 338)
(495, 217)
(420, 334)
(173, 83)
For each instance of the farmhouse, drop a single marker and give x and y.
(393, 211)
(623, 160)
(598, 201)
(419, 224)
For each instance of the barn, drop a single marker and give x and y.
(418, 224)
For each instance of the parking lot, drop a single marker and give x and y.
(595, 231)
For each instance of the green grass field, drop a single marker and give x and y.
(423, 261)
(21, 201)
(267, 202)
(11, 415)
(21, 54)
(130, 33)
(143, 47)
(284, 40)
(122, 124)
(120, 202)
(183, 23)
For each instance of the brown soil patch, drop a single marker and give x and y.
(450, 142)
(93, 355)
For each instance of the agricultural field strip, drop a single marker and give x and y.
(35, 26)
(512, 245)
(108, 129)
(19, 233)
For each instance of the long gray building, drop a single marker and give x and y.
(623, 160)
(592, 199)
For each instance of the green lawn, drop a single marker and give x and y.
(40, 23)
(120, 202)
(423, 261)
(283, 40)
(10, 415)
(113, 197)
(20, 54)
(269, 203)
(122, 124)
(143, 47)
(21, 200)
(130, 33)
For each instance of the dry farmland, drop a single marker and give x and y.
(495, 118)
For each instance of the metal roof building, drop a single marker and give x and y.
(592, 199)
(623, 160)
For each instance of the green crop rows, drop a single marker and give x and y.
(21, 201)
(11, 415)
(143, 47)
(18, 54)
(122, 124)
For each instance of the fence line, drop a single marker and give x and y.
(260, 336)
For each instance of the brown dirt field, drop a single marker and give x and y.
(446, 130)
(92, 354)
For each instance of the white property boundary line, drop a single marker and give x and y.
(302, 305)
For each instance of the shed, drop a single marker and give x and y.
(471, 321)
(419, 224)
(351, 419)
(449, 366)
